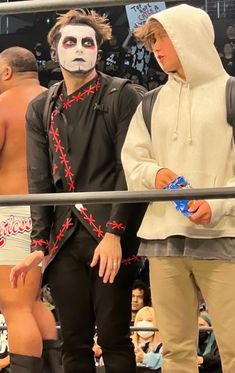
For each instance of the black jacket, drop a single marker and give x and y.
(212, 361)
(89, 161)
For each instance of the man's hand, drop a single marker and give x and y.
(22, 268)
(164, 177)
(201, 212)
(139, 355)
(109, 254)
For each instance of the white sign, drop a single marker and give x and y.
(137, 14)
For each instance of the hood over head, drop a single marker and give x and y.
(192, 34)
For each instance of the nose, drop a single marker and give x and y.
(156, 46)
(79, 46)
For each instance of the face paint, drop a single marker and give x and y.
(77, 48)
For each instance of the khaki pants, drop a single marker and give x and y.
(174, 296)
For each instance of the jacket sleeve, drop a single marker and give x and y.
(128, 102)
(39, 174)
(138, 161)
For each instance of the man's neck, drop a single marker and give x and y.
(74, 82)
(19, 81)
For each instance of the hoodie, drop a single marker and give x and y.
(190, 134)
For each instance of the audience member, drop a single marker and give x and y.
(208, 353)
(137, 56)
(148, 344)
(112, 56)
(227, 59)
(230, 35)
(140, 297)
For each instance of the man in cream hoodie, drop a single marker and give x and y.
(190, 137)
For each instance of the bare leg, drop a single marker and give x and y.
(17, 307)
(45, 320)
(51, 354)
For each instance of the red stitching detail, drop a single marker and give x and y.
(80, 95)
(90, 219)
(129, 260)
(68, 223)
(40, 243)
(115, 225)
(64, 158)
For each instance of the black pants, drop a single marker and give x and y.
(83, 301)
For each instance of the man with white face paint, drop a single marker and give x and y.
(90, 257)
(77, 49)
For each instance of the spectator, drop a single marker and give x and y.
(148, 344)
(112, 57)
(136, 55)
(228, 59)
(230, 35)
(208, 353)
(140, 297)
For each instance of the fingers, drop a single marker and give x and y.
(110, 270)
(95, 259)
(194, 205)
(23, 277)
(202, 214)
(164, 177)
(114, 272)
(108, 253)
(14, 278)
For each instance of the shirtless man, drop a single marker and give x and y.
(28, 322)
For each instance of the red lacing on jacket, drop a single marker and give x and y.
(41, 243)
(59, 148)
(115, 225)
(64, 159)
(80, 95)
(90, 219)
(67, 224)
(130, 260)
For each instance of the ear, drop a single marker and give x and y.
(99, 54)
(53, 53)
(7, 73)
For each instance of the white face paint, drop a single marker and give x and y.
(77, 48)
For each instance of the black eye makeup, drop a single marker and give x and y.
(69, 41)
(88, 42)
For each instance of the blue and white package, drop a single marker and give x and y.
(181, 205)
